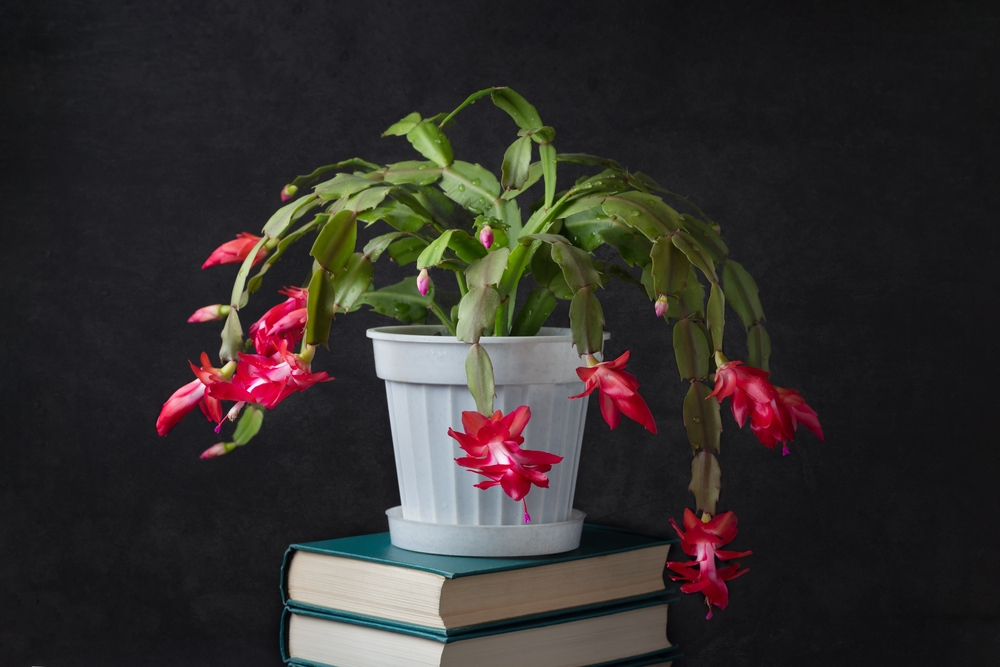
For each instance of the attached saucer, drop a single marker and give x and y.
(533, 539)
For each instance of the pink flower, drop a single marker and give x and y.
(187, 397)
(288, 192)
(266, 379)
(234, 252)
(284, 322)
(773, 418)
(486, 236)
(493, 445)
(661, 305)
(618, 392)
(210, 313)
(423, 282)
(702, 540)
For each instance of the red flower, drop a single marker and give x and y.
(493, 445)
(702, 540)
(774, 412)
(799, 411)
(266, 380)
(284, 322)
(618, 392)
(234, 252)
(193, 393)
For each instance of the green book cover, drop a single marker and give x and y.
(376, 548)
(433, 634)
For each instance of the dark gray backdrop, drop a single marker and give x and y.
(848, 152)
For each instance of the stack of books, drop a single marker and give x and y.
(360, 602)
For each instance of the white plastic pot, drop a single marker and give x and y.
(425, 383)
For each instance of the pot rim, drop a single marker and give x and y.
(431, 334)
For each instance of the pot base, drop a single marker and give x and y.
(534, 539)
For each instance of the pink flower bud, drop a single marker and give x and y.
(486, 237)
(217, 450)
(234, 252)
(288, 192)
(210, 313)
(661, 305)
(423, 282)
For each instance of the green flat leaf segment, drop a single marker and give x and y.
(646, 213)
(584, 228)
(428, 140)
(741, 292)
(702, 418)
(691, 349)
(473, 187)
(249, 424)
(586, 322)
(516, 162)
(670, 268)
(696, 254)
(477, 312)
(320, 307)
(523, 113)
(488, 270)
(353, 282)
(434, 252)
(411, 171)
(716, 315)
(406, 250)
(402, 126)
(236, 298)
(402, 301)
(343, 185)
(479, 372)
(576, 266)
(282, 218)
(232, 337)
(336, 242)
(374, 248)
(706, 481)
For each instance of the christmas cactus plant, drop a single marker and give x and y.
(457, 223)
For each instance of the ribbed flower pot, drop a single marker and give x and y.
(425, 384)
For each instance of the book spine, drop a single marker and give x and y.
(285, 562)
(286, 616)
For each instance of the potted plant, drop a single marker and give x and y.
(484, 369)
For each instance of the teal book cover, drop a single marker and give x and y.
(376, 548)
(434, 634)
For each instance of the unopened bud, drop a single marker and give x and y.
(217, 450)
(661, 305)
(486, 236)
(288, 192)
(423, 282)
(210, 313)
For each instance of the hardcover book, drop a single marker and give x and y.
(624, 634)
(366, 577)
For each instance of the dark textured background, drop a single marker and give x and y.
(849, 152)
